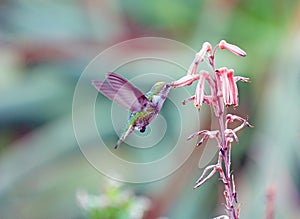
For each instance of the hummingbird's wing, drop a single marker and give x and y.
(121, 91)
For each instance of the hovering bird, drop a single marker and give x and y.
(144, 108)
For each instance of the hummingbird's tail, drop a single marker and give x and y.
(128, 129)
(118, 144)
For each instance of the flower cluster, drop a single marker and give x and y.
(222, 83)
(223, 93)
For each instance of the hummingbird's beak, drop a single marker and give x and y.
(173, 84)
(169, 85)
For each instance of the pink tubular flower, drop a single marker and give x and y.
(199, 94)
(229, 87)
(232, 48)
(233, 88)
(185, 80)
(199, 57)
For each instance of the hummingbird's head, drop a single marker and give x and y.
(158, 93)
(159, 87)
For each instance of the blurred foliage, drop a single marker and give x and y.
(114, 203)
(177, 18)
(45, 46)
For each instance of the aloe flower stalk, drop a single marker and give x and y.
(223, 93)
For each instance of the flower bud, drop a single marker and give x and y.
(232, 48)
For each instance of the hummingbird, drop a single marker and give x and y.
(144, 108)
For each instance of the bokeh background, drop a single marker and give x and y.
(45, 46)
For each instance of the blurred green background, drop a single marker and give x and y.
(45, 46)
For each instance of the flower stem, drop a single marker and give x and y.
(225, 150)
(225, 155)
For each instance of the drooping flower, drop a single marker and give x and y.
(233, 94)
(228, 86)
(199, 93)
